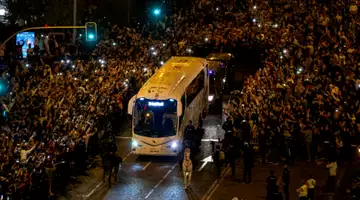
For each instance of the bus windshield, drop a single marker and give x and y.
(154, 118)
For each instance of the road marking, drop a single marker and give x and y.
(98, 185)
(215, 185)
(151, 191)
(209, 140)
(147, 165)
(93, 190)
(192, 194)
(123, 137)
(205, 161)
(207, 192)
(127, 156)
(161, 180)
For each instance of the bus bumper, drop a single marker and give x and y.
(156, 151)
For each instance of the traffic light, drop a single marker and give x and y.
(157, 11)
(91, 31)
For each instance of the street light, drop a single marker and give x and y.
(2, 12)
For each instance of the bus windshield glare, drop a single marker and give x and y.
(154, 118)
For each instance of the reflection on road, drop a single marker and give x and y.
(147, 177)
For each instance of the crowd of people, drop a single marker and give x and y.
(309, 87)
(308, 90)
(305, 101)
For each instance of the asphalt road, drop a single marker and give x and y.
(159, 178)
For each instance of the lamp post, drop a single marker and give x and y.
(74, 21)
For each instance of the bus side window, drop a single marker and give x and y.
(195, 87)
(183, 102)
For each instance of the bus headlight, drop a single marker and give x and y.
(173, 145)
(134, 143)
(211, 97)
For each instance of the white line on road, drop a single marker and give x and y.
(151, 191)
(202, 166)
(207, 192)
(215, 185)
(209, 140)
(127, 156)
(158, 184)
(93, 190)
(146, 166)
(123, 137)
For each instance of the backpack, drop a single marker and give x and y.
(221, 155)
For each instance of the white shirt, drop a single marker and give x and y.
(311, 183)
(332, 168)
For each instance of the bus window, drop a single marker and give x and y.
(183, 102)
(155, 118)
(195, 87)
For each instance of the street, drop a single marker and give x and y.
(160, 178)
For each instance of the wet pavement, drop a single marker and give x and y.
(159, 178)
(147, 177)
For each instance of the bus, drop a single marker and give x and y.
(177, 93)
(218, 66)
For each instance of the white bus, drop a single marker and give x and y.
(176, 93)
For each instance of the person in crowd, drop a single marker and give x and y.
(331, 182)
(110, 164)
(286, 181)
(228, 125)
(303, 191)
(276, 194)
(24, 153)
(311, 183)
(18, 49)
(271, 184)
(189, 132)
(231, 158)
(248, 163)
(219, 159)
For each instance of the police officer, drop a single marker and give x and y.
(110, 162)
(228, 126)
(245, 130)
(271, 184)
(231, 158)
(248, 162)
(189, 132)
(286, 181)
(218, 158)
(276, 195)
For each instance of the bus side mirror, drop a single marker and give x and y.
(130, 105)
(179, 108)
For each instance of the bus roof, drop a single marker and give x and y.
(172, 79)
